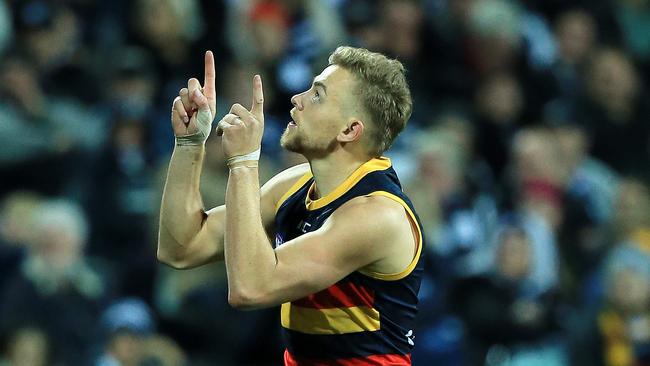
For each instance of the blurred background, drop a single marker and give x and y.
(527, 157)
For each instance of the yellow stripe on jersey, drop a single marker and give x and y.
(414, 262)
(294, 188)
(368, 167)
(330, 321)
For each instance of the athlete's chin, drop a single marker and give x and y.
(290, 143)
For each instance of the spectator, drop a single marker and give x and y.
(618, 332)
(27, 347)
(538, 178)
(539, 175)
(15, 231)
(170, 31)
(632, 217)
(412, 45)
(576, 35)
(130, 338)
(505, 314)
(56, 290)
(169, 27)
(121, 213)
(453, 197)
(588, 207)
(615, 113)
(499, 107)
(41, 101)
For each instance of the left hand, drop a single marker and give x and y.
(242, 129)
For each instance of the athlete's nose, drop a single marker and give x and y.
(297, 102)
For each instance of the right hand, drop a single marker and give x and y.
(194, 108)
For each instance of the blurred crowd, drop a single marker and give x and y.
(527, 157)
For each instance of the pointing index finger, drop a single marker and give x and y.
(210, 77)
(258, 97)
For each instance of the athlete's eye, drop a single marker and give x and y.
(316, 96)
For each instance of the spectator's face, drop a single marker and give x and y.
(127, 348)
(28, 347)
(576, 35)
(128, 135)
(132, 96)
(500, 99)
(513, 256)
(158, 21)
(460, 130)
(613, 81)
(441, 162)
(271, 38)
(48, 45)
(632, 206)
(58, 246)
(573, 145)
(536, 157)
(495, 26)
(439, 172)
(14, 228)
(629, 291)
(406, 16)
(319, 114)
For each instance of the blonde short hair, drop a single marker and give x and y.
(383, 92)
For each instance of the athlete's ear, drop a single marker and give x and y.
(352, 131)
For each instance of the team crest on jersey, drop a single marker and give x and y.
(278, 240)
(304, 226)
(410, 337)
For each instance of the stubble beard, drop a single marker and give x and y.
(291, 143)
(298, 142)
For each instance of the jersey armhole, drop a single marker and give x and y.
(415, 227)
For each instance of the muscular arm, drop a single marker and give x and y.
(367, 232)
(185, 239)
(189, 236)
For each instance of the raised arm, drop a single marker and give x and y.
(184, 238)
(204, 235)
(189, 236)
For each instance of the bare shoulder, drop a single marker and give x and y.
(279, 184)
(374, 216)
(381, 226)
(289, 176)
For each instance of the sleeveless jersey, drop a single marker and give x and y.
(366, 318)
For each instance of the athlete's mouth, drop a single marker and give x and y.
(292, 122)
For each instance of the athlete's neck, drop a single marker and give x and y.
(330, 173)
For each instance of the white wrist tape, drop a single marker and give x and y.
(203, 124)
(253, 156)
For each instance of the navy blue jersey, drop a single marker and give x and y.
(366, 318)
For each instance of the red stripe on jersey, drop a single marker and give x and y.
(340, 295)
(374, 360)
